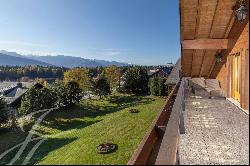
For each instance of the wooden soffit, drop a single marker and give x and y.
(205, 25)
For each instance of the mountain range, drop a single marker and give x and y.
(15, 59)
(10, 60)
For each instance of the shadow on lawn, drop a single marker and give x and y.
(44, 149)
(68, 119)
(67, 124)
(48, 146)
(121, 102)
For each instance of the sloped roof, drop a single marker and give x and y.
(151, 72)
(15, 92)
(166, 70)
(174, 76)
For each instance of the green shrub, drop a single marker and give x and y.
(154, 86)
(162, 89)
(157, 86)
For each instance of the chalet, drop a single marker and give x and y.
(205, 120)
(12, 92)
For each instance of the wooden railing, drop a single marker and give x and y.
(168, 150)
(159, 146)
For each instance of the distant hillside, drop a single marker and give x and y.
(70, 61)
(59, 60)
(19, 61)
(11, 53)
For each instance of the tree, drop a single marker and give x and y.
(73, 92)
(47, 97)
(66, 95)
(136, 80)
(162, 87)
(2, 103)
(3, 111)
(60, 92)
(42, 81)
(25, 73)
(37, 99)
(30, 101)
(154, 86)
(157, 86)
(79, 75)
(113, 74)
(101, 87)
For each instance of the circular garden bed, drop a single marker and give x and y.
(134, 110)
(105, 148)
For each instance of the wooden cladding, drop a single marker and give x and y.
(205, 44)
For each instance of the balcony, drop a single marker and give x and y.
(195, 130)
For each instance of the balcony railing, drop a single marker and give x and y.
(160, 144)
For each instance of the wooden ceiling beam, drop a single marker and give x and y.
(208, 44)
(197, 23)
(210, 36)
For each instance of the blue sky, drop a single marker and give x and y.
(144, 32)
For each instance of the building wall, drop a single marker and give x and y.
(239, 38)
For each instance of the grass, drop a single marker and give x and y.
(73, 134)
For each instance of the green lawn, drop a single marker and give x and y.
(73, 134)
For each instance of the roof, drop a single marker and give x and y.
(16, 92)
(201, 21)
(174, 76)
(151, 72)
(165, 70)
(11, 91)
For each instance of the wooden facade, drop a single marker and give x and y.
(209, 27)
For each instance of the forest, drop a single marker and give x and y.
(14, 73)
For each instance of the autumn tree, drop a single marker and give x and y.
(42, 81)
(79, 75)
(113, 74)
